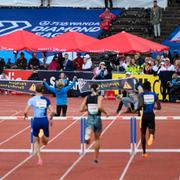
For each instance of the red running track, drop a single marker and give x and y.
(111, 166)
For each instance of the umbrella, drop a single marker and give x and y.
(69, 42)
(124, 43)
(20, 40)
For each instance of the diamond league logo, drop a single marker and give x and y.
(7, 27)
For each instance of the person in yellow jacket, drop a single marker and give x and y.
(133, 68)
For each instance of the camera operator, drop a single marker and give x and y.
(101, 71)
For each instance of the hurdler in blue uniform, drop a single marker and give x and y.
(40, 105)
(147, 102)
(61, 95)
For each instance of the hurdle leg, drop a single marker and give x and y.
(135, 132)
(81, 136)
(84, 133)
(131, 135)
(31, 138)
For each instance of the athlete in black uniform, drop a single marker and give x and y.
(146, 102)
(93, 104)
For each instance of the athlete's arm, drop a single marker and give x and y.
(100, 105)
(49, 87)
(26, 112)
(83, 106)
(157, 103)
(52, 113)
(141, 102)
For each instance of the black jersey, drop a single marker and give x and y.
(92, 105)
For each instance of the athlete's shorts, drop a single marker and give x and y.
(40, 123)
(94, 122)
(148, 121)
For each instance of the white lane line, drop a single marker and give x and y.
(29, 157)
(128, 164)
(11, 137)
(79, 159)
(17, 112)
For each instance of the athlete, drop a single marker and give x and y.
(40, 105)
(61, 95)
(147, 103)
(93, 105)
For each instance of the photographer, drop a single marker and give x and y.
(174, 88)
(101, 71)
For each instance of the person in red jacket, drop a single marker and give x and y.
(78, 62)
(106, 19)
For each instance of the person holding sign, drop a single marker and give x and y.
(93, 104)
(40, 105)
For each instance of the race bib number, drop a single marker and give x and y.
(93, 108)
(149, 99)
(41, 103)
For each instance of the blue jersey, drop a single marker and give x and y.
(40, 105)
(149, 99)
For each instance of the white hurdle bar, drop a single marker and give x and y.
(161, 150)
(82, 149)
(103, 118)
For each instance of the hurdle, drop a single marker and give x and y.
(31, 149)
(151, 150)
(82, 148)
(128, 150)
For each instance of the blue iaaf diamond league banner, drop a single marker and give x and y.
(50, 22)
(111, 84)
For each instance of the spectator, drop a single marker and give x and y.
(54, 65)
(138, 59)
(63, 78)
(101, 71)
(132, 97)
(43, 2)
(68, 64)
(106, 3)
(3, 76)
(106, 19)
(175, 57)
(2, 65)
(155, 66)
(132, 67)
(78, 62)
(60, 60)
(177, 63)
(156, 18)
(9, 64)
(124, 94)
(174, 87)
(87, 63)
(21, 62)
(33, 62)
(148, 68)
(126, 63)
(165, 75)
(167, 54)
